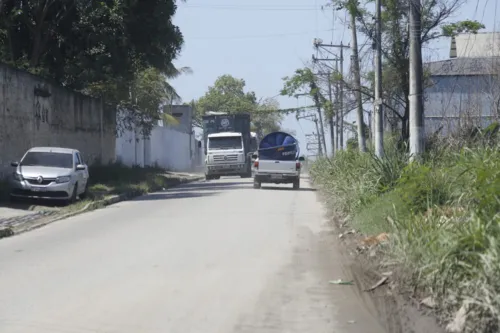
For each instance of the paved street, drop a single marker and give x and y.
(216, 257)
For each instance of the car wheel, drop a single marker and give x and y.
(74, 194)
(14, 199)
(216, 177)
(85, 192)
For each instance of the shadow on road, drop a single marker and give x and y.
(213, 185)
(172, 195)
(304, 189)
(32, 204)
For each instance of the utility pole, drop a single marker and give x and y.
(332, 132)
(416, 89)
(318, 43)
(352, 8)
(341, 97)
(321, 130)
(337, 109)
(315, 120)
(330, 120)
(320, 150)
(379, 111)
(316, 141)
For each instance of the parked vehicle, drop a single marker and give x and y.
(228, 145)
(277, 161)
(50, 173)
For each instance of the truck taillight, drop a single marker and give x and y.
(256, 164)
(297, 166)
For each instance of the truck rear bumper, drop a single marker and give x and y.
(225, 169)
(276, 178)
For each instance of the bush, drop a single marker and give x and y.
(443, 215)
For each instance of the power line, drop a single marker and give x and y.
(257, 36)
(255, 8)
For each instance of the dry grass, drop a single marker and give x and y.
(443, 217)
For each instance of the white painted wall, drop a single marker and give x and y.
(167, 147)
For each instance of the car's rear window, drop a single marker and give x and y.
(48, 159)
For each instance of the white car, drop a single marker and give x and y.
(276, 171)
(50, 173)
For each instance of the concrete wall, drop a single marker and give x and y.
(167, 147)
(34, 112)
(183, 114)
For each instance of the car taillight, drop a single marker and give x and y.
(297, 166)
(256, 164)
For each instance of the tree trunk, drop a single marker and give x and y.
(357, 82)
(37, 44)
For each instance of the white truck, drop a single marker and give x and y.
(229, 145)
(225, 155)
(277, 161)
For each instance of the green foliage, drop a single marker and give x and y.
(352, 144)
(101, 48)
(228, 95)
(149, 90)
(442, 217)
(117, 179)
(395, 41)
(304, 82)
(420, 187)
(466, 26)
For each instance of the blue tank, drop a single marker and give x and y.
(279, 146)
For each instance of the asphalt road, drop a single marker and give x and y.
(208, 257)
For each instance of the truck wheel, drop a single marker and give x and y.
(296, 184)
(256, 184)
(207, 177)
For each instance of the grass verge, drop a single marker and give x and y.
(118, 179)
(115, 179)
(443, 218)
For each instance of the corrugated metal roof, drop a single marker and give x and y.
(464, 66)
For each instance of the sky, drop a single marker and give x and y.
(264, 41)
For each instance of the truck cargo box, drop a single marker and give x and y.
(218, 123)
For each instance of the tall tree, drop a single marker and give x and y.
(304, 82)
(395, 44)
(99, 47)
(149, 91)
(266, 118)
(228, 95)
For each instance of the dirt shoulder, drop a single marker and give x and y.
(377, 284)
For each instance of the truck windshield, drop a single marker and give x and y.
(228, 142)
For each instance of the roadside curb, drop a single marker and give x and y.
(93, 205)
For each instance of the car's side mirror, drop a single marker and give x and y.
(301, 159)
(80, 167)
(14, 164)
